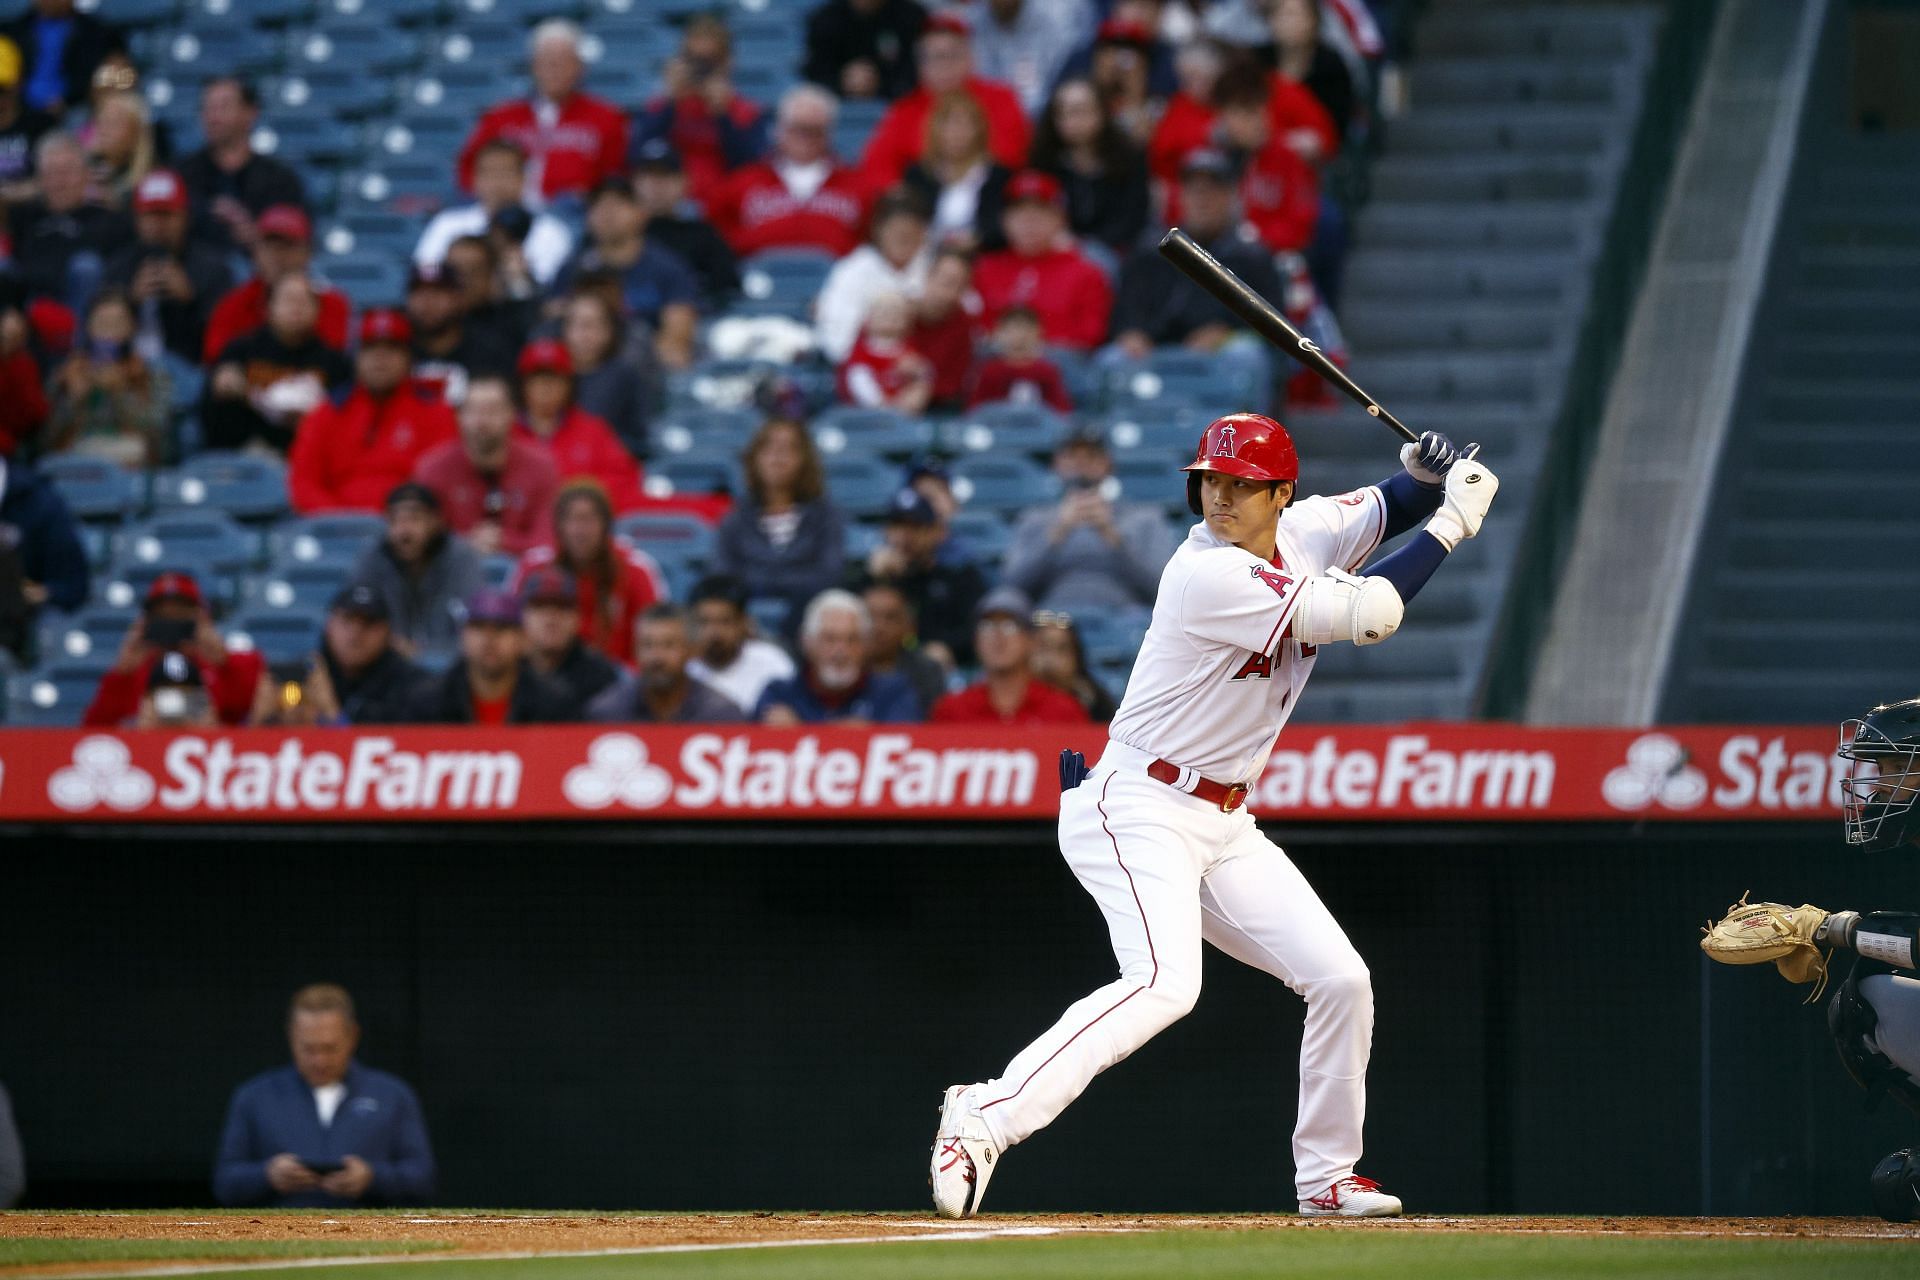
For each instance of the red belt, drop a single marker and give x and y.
(1227, 797)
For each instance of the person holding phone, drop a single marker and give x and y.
(109, 402)
(324, 1131)
(175, 620)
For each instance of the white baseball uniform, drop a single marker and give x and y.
(1216, 678)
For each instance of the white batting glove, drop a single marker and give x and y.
(1470, 487)
(1428, 458)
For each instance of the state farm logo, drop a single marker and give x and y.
(102, 773)
(1656, 772)
(617, 768)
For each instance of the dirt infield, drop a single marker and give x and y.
(466, 1233)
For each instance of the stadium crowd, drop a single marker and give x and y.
(507, 414)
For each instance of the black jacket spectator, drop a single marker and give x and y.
(879, 33)
(89, 41)
(448, 699)
(1103, 173)
(583, 675)
(1158, 301)
(160, 224)
(42, 561)
(227, 171)
(265, 359)
(701, 248)
(46, 241)
(384, 693)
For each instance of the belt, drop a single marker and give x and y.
(1227, 797)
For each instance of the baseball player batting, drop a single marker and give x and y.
(1159, 832)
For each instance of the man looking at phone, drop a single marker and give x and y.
(175, 620)
(325, 1132)
(173, 280)
(1088, 551)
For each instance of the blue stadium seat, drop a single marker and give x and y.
(1003, 482)
(469, 88)
(244, 485)
(207, 537)
(400, 12)
(303, 139)
(986, 533)
(764, 84)
(711, 432)
(860, 484)
(480, 44)
(1150, 480)
(94, 488)
(278, 636)
(204, 13)
(668, 535)
(337, 540)
(672, 10)
(133, 13)
(769, 614)
(439, 135)
(368, 278)
(688, 474)
(125, 585)
(1181, 376)
(782, 282)
(366, 47)
(498, 570)
(1023, 428)
(53, 696)
(848, 429)
(1168, 433)
(222, 50)
(95, 631)
(337, 91)
(435, 661)
(861, 541)
(371, 231)
(627, 84)
(524, 12)
(294, 586)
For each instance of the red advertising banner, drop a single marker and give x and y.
(1424, 772)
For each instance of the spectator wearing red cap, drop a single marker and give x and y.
(1042, 268)
(554, 644)
(1101, 169)
(175, 619)
(495, 487)
(582, 445)
(354, 448)
(799, 197)
(945, 59)
(1024, 44)
(714, 130)
(174, 280)
(448, 350)
(265, 381)
(864, 48)
(64, 227)
(613, 580)
(499, 203)
(283, 246)
(229, 184)
(1121, 68)
(571, 139)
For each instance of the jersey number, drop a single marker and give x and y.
(1258, 666)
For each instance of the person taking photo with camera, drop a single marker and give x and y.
(175, 620)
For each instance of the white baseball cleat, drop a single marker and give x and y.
(964, 1154)
(1352, 1197)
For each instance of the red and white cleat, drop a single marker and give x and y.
(964, 1155)
(1352, 1197)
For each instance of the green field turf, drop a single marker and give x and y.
(16, 1252)
(1200, 1255)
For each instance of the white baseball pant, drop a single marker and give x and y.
(1169, 870)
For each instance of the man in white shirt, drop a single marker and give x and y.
(499, 189)
(739, 665)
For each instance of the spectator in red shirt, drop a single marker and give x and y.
(494, 487)
(1121, 71)
(799, 197)
(713, 129)
(884, 371)
(571, 139)
(175, 623)
(1042, 268)
(945, 57)
(1279, 194)
(283, 246)
(1007, 692)
(943, 327)
(493, 683)
(1187, 121)
(583, 446)
(1019, 371)
(1207, 76)
(353, 449)
(614, 581)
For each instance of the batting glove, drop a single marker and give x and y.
(1470, 487)
(1428, 458)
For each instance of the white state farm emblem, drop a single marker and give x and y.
(617, 768)
(1656, 771)
(102, 772)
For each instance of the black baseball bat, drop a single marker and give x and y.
(1265, 319)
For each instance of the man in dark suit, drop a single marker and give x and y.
(325, 1132)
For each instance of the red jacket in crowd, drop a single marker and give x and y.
(701, 138)
(948, 346)
(1063, 286)
(1043, 704)
(1187, 124)
(23, 402)
(245, 309)
(1279, 196)
(607, 617)
(875, 372)
(586, 143)
(584, 447)
(901, 135)
(230, 689)
(755, 211)
(352, 450)
(1022, 381)
(522, 494)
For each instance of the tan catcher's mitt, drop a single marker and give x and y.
(1756, 932)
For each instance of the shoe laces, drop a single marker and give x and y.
(953, 1153)
(1330, 1198)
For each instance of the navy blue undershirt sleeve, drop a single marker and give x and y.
(1409, 567)
(1407, 501)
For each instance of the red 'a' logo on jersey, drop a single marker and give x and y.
(1280, 582)
(1258, 666)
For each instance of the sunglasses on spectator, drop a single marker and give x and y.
(1053, 618)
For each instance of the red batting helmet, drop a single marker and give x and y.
(1251, 446)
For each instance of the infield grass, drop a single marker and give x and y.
(1206, 1255)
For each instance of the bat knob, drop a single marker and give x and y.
(1374, 409)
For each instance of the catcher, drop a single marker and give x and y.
(1875, 1012)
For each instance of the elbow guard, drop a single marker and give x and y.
(1340, 606)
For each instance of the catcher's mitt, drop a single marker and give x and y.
(1753, 933)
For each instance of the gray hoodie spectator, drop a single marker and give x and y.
(420, 570)
(1088, 551)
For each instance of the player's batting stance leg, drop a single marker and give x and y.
(1158, 831)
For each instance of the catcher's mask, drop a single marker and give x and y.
(1882, 750)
